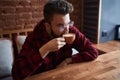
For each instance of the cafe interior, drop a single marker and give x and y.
(98, 20)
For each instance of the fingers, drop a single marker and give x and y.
(61, 42)
(58, 43)
(61, 39)
(55, 44)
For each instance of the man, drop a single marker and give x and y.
(45, 48)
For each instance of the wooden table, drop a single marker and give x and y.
(108, 46)
(105, 67)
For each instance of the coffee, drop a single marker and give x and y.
(69, 37)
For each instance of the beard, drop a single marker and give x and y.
(53, 33)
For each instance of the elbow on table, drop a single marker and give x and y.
(94, 56)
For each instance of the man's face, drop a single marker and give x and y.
(59, 24)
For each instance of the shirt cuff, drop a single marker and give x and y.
(76, 58)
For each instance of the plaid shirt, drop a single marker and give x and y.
(30, 62)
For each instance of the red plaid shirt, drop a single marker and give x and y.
(30, 62)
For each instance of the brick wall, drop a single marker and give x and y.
(20, 14)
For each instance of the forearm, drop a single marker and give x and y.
(84, 56)
(85, 48)
(43, 52)
(26, 64)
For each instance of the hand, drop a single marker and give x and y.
(66, 62)
(55, 44)
(52, 45)
(62, 64)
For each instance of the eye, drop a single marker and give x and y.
(60, 25)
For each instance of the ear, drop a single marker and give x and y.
(47, 26)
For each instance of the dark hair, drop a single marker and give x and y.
(56, 6)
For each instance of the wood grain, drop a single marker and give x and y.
(105, 67)
(108, 46)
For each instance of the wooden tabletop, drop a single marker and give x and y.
(105, 67)
(108, 46)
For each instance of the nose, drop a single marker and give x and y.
(66, 30)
